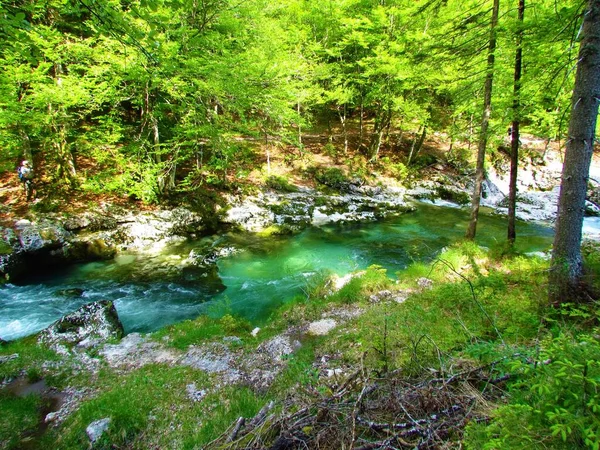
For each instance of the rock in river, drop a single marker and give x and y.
(89, 325)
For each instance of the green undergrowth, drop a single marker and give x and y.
(202, 329)
(137, 403)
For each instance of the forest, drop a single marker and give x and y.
(147, 122)
(158, 98)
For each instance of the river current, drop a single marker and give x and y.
(255, 275)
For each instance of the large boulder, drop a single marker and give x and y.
(31, 244)
(90, 325)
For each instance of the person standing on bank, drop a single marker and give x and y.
(25, 172)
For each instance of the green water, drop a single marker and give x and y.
(262, 273)
(272, 270)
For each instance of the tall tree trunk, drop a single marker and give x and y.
(26, 142)
(485, 121)
(566, 271)
(382, 122)
(514, 147)
(161, 180)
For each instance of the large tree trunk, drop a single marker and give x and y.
(566, 273)
(485, 121)
(514, 147)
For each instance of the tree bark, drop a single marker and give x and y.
(515, 135)
(485, 122)
(566, 271)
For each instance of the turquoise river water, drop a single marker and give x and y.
(259, 276)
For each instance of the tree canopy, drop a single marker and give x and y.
(155, 94)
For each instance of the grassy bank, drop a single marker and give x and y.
(463, 351)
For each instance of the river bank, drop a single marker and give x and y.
(219, 383)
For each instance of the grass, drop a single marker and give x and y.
(31, 357)
(135, 403)
(19, 418)
(202, 329)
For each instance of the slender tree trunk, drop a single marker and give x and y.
(381, 125)
(485, 121)
(361, 123)
(162, 177)
(343, 121)
(417, 144)
(566, 271)
(299, 127)
(514, 148)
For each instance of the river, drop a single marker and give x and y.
(255, 274)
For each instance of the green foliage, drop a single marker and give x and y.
(331, 150)
(460, 159)
(397, 169)
(5, 248)
(280, 184)
(554, 403)
(459, 197)
(331, 177)
(234, 325)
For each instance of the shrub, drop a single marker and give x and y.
(331, 177)
(460, 159)
(555, 402)
(397, 170)
(280, 184)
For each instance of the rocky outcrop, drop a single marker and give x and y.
(290, 212)
(59, 239)
(538, 189)
(89, 326)
(40, 242)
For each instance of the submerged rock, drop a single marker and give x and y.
(90, 325)
(72, 292)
